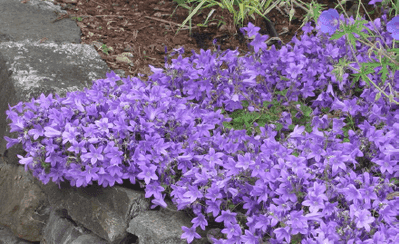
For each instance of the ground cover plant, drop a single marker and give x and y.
(317, 162)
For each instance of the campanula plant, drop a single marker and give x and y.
(168, 134)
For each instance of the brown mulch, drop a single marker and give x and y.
(130, 35)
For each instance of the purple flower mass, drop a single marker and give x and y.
(323, 170)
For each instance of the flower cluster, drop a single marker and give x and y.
(279, 184)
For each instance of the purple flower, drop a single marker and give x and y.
(93, 154)
(25, 161)
(232, 230)
(213, 193)
(363, 219)
(193, 194)
(77, 147)
(90, 130)
(203, 129)
(262, 222)
(106, 179)
(90, 174)
(51, 132)
(282, 233)
(249, 238)
(329, 21)
(11, 141)
(180, 63)
(259, 42)
(113, 154)
(213, 207)
(114, 171)
(227, 217)
(201, 221)
(36, 131)
(69, 134)
(307, 28)
(393, 27)
(336, 161)
(315, 203)
(53, 158)
(18, 125)
(147, 173)
(154, 189)
(294, 70)
(386, 165)
(189, 234)
(244, 162)
(159, 202)
(252, 30)
(213, 158)
(261, 191)
(57, 175)
(351, 193)
(374, 1)
(103, 125)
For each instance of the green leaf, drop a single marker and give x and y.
(283, 78)
(283, 93)
(179, 1)
(337, 35)
(279, 126)
(306, 110)
(395, 181)
(191, 15)
(208, 16)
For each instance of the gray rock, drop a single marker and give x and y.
(21, 203)
(33, 20)
(162, 227)
(7, 237)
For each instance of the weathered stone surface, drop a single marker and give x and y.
(105, 211)
(60, 229)
(7, 237)
(7, 92)
(24, 207)
(162, 227)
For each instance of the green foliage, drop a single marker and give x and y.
(240, 9)
(270, 114)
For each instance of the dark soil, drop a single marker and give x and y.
(145, 28)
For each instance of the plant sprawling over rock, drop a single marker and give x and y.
(293, 171)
